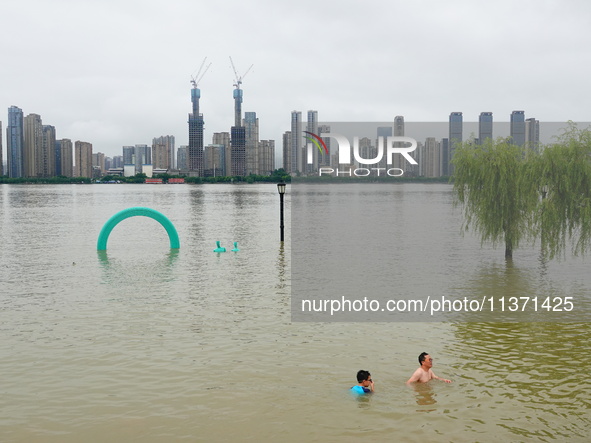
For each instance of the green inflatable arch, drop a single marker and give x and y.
(133, 212)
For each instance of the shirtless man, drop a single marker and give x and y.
(424, 373)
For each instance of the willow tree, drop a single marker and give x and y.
(563, 173)
(492, 182)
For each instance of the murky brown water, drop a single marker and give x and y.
(141, 344)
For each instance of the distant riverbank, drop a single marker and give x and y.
(221, 180)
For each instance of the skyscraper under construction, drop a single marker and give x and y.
(238, 139)
(195, 151)
(238, 131)
(196, 135)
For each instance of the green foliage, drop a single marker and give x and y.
(490, 181)
(563, 175)
(277, 176)
(45, 180)
(137, 178)
(510, 194)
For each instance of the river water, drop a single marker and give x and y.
(144, 343)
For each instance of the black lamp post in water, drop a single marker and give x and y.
(281, 190)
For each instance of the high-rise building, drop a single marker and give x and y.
(445, 157)
(532, 133)
(129, 160)
(485, 126)
(398, 161)
(223, 138)
(266, 157)
(128, 155)
(251, 129)
(58, 157)
(456, 129)
(432, 159)
(170, 144)
(15, 138)
(287, 152)
(311, 126)
(181, 158)
(143, 157)
(383, 132)
(160, 155)
(215, 161)
(33, 140)
(399, 126)
(163, 152)
(517, 130)
(323, 157)
(117, 161)
(196, 126)
(295, 144)
(367, 150)
(47, 157)
(456, 137)
(83, 155)
(237, 139)
(66, 157)
(98, 162)
(238, 151)
(237, 94)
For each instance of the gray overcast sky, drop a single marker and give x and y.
(118, 73)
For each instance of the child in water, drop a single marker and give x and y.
(364, 383)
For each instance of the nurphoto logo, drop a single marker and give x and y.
(393, 145)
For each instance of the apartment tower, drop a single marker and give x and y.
(517, 130)
(485, 126)
(83, 156)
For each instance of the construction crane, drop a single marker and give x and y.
(196, 92)
(238, 94)
(239, 78)
(195, 79)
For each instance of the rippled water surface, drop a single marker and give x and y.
(144, 343)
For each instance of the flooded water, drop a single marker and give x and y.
(144, 343)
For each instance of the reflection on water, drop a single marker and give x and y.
(363, 401)
(154, 269)
(425, 395)
(517, 291)
(144, 343)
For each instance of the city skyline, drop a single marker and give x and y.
(484, 121)
(241, 153)
(257, 156)
(134, 85)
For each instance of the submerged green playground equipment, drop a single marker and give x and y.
(133, 212)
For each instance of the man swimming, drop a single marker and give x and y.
(424, 373)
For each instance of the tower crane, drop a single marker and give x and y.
(195, 79)
(238, 94)
(196, 92)
(239, 78)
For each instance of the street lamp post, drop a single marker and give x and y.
(281, 190)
